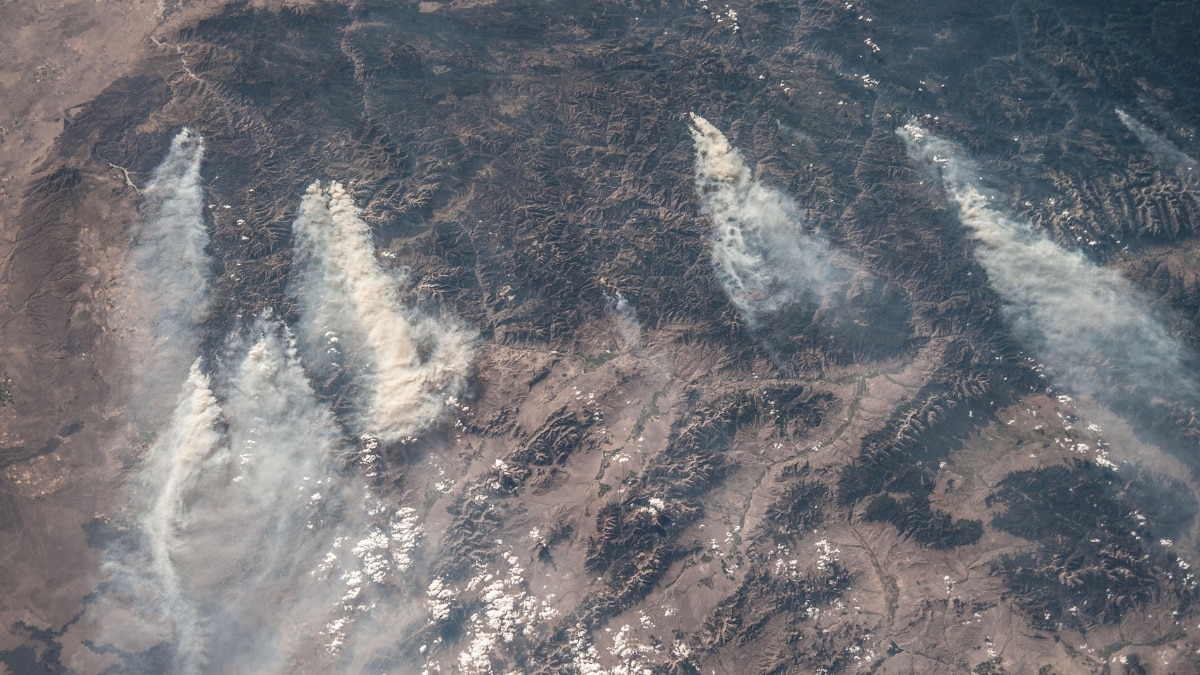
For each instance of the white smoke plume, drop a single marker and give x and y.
(249, 504)
(227, 530)
(256, 546)
(628, 325)
(318, 550)
(261, 548)
(175, 461)
(168, 276)
(764, 258)
(1090, 326)
(1164, 151)
(409, 363)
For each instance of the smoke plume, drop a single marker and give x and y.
(1089, 325)
(255, 542)
(628, 325)
(410, 362)
(261, 549)
(764, 258)
(175, 461)
(1164, 151)
(168, 276)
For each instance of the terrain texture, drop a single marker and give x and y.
(702, 366)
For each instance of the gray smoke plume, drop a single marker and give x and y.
(167, 276)
(764, 258)
(1164, 151)
(318, 546)
(408, 363)
(226, 528)
(247, 529)
(1090, 326)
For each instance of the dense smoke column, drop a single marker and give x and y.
(763, 257)
(234, 527)
(1089, 325)
(407, 363)
(264, 549)
(168, 288)
(169, 276)
(185, 451)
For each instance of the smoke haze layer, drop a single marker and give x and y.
(168, 276)
(1164, 151)
(408, 363)
(1088, 324)
(764, 259)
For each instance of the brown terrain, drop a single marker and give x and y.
(826, 503)
(64, 215)
(63, 220)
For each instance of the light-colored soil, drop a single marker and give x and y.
(59, 266)
(60, 345)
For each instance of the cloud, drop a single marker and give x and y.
(764, 258)
(407, 363)
(1089, 325)
(1164, 151)
(168, 276)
